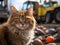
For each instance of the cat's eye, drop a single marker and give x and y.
(27, 18)
(16, 18)
(30, 20)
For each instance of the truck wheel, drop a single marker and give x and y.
(57, 16)
(48, 17)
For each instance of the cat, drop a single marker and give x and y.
(19, 29)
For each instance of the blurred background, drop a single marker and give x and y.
(40, 2)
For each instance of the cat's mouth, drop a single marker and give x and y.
(22, 27)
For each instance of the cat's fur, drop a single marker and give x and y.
(18, 30)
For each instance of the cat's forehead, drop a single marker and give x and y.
(21, 13)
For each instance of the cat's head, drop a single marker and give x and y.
(23, 20)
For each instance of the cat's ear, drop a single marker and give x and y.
(13, 9)
(30, 10)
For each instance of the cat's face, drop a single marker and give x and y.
(22, 20)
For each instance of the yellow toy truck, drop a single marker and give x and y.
(46, 12)
(49, 11)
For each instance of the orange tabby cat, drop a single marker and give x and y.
(19, 29)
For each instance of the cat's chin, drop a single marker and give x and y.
(22, 27)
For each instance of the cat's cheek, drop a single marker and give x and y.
(12, 23)
(17, 26)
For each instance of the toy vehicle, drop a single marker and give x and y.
(46, 12)
(3, 15)
(50, 10)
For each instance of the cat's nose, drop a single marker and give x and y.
(21, 25)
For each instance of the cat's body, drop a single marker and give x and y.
(18, 30)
